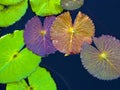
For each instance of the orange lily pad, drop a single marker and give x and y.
(68, 37)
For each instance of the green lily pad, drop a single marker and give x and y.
(38, 80)
(10, 2)
(46, 7)
(12, 13)
(15, 64)
(41, 80)
(1, 7)
(21, 85)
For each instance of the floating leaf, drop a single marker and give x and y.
(12, 13)
(15, 64)
(37, 38)
(21, 85)
(103, 61)
(46, 7)
(67, 37)
(9, 2)
(42, 79)
(38, 80)
(1, 7)
(71, 4)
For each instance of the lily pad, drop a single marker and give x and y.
(67, 37)
(71, 4)
(38, 80)
(12, 13)
(46, 7)
(37, 38)
(102, 61)
(15, 64)
(21, 85)
(9, 2)
(1, 7)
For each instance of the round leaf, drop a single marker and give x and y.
(46, 7)
(12, 13)
(15, 64)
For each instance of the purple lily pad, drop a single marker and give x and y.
(102, 60)
(37, 37)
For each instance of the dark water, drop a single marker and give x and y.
(68, 72)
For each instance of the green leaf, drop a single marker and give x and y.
(21, 85)
(10, 2)
(12, 13)
(41, 80)
(46, 7)
(15, 64)
(38, 80)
